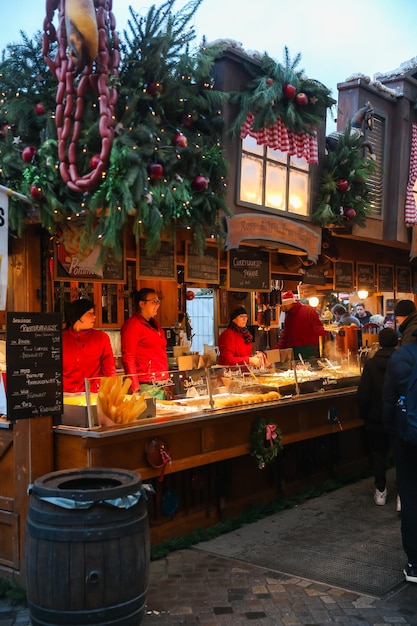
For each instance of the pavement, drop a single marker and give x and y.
(207, 585)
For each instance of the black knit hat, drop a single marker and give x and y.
(77, 308)
(404, 308)
(240, 310)
(387, 338)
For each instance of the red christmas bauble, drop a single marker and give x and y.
(39, 108)
(301, 99)
(190, 295)
(180, 141)
(154, 88)
(187, 120)
(94, 161)
(155, 171)
(199, 183)
(349, 213)
(29, 153)
(4, 129)
(288, 91)
(269, 81)
(342, 185)
(36, 192)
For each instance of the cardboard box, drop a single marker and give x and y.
(279, 356)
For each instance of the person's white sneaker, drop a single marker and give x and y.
(380, 497)
(398, 504)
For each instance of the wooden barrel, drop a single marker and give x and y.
(88, 564)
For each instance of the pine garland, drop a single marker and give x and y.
(164, 90)
(265, 97)
(345, 193)
(265, 442)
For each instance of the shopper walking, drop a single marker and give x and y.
(370, 405)
(406, 314)
(399, 368)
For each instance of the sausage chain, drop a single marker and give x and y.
(72, 90)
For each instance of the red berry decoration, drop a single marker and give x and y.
(349, 213)
(39, 108)
(301, 99)
(155, 88)
(342, 185)
(29, 153)
(180, 141)
(288, 91)
(269, 81)
(36, 192)
(155, 171)
(199, 183)
(94, 161)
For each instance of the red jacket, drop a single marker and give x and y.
(233, 350)
(85, 355)
(302, 327)
(143, 350)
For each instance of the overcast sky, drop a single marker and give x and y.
(335, 39)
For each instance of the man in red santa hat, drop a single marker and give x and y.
(302, 327)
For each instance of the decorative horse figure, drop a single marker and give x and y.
(362, 118)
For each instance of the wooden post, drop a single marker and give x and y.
(33, 457)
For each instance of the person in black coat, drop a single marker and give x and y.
(370, 405)
(398, 372)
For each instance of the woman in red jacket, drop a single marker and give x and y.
(143, 344)
(86, 351)
(235, 342)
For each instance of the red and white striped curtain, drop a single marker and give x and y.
(278, 137)
(410, 198)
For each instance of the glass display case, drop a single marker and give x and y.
(109, 401)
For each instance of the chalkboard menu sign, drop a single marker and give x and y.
(161, 265)
(34, 365)
(343, 277)
(403, 279)
(365, 275)
(203, 267)
(314, 276)
(385, 278)
(249, 270)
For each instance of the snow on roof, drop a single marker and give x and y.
(376, 84)
(405, 68)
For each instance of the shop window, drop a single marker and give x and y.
(271, 179)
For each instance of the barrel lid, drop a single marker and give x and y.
(89, 484)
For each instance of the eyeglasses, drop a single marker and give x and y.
(155, 302)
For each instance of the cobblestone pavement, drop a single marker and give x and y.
(196, 587)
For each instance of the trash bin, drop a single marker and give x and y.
(87, 548)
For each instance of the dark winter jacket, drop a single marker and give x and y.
(395, 384)
(407, 328)
(370, 389)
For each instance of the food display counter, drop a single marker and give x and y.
(193, 445)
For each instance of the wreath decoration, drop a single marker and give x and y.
(265, 442)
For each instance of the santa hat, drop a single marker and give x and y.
(287, 297)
